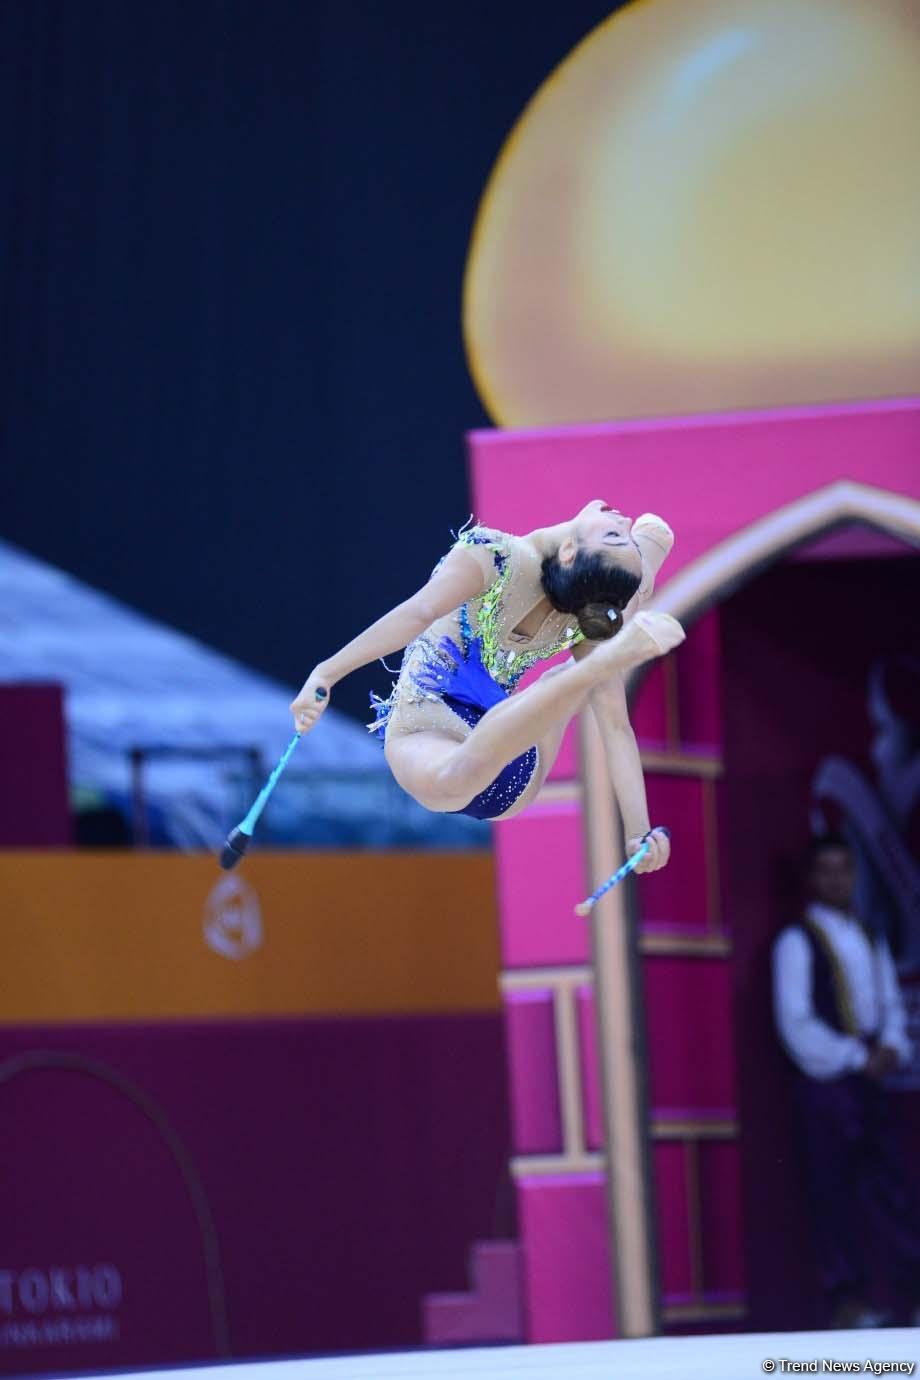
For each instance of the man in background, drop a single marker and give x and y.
(841, 1020)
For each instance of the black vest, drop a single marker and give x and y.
(830, 989)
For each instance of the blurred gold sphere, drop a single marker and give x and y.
(708, 205)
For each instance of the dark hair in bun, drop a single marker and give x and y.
(592, 589)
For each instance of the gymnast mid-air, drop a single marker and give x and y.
(457, 738)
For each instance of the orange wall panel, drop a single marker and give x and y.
(122, 936)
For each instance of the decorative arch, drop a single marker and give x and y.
(696, 587)
(736, 559)
(740, 489)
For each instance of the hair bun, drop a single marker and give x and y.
(599, 621)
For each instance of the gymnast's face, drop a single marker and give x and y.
(598, 527)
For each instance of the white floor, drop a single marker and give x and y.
(736, 1357)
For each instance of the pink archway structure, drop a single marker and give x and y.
(596, 1145)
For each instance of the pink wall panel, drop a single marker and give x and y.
(593, 1112)
(536, 1123)
(670, 1172)
(541, 876)
(567, 1277)
(699, 686)
(756, 462)
(690, 1035)
(721, 1215)
(649, 709)
(676, 897)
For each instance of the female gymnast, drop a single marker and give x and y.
(456, 737)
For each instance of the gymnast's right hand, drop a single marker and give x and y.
(311, 701)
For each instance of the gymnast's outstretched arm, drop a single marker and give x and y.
(458, 578)
(608, 704)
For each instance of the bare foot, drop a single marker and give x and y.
(663, 631)
(646, 635)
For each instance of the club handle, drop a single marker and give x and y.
(249, 823)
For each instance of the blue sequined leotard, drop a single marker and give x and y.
(471, 671)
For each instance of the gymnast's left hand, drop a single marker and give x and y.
(659, 850)
(311, 701)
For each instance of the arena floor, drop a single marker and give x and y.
(734, 1357)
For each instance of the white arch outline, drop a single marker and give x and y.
(736, 559)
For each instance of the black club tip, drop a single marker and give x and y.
(234, 847)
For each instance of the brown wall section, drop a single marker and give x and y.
(116, 936)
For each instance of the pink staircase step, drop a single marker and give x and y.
(491, 1311)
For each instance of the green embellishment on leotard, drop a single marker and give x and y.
(505, 667)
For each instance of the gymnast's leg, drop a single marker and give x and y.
(547, 751)
(444, 774)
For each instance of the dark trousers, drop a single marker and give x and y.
(860, 1189)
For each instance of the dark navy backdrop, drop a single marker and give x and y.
(233, 235)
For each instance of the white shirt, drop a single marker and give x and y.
(819, 1050)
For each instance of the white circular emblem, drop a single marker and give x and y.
(233, 919)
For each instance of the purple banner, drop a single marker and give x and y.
(174, 1193)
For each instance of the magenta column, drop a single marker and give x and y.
(558, 1163)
